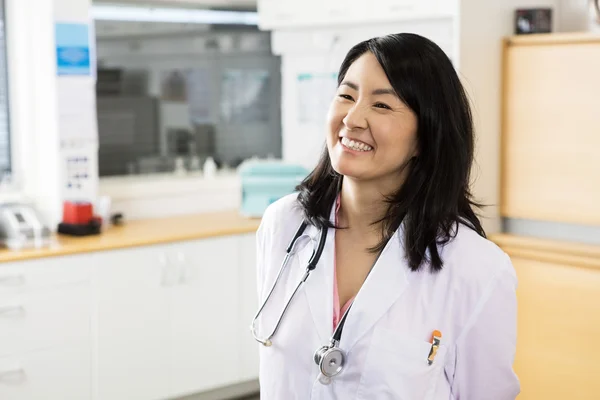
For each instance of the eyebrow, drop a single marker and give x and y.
(375, 92)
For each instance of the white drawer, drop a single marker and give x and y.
(45, 318)
(17, 277)
(54, 374)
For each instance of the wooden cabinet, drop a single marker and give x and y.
(558, 299)
(550, 167)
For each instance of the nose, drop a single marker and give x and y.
(356, 118)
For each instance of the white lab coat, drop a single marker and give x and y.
(388, 330)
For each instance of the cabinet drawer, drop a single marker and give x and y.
(55, 374)
(46, 272)
(45, 318)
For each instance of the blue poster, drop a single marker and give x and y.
(72, 49)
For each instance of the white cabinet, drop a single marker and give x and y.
(45, 319)
(145, 323)
(248, 300)
(58, 373)
(44, 273)
(290, 14)
(204, 316)
(168, 319)
(132, 324)
(45, 329)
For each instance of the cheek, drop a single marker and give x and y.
(395, 138)
(335, 117)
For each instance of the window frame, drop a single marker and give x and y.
(7, 107)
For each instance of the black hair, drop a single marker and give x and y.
(435, 197)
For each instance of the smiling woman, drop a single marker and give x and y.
(406, 298)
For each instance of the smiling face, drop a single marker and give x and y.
(372, 133)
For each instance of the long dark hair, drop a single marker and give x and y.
(435, 197)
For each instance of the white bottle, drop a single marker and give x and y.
(210, 168)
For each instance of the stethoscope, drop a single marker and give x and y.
(329, 358)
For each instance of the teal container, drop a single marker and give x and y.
(266, 181)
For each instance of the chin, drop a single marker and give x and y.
(348, 168)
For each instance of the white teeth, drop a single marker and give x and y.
(357, 146)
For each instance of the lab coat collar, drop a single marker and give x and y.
(382, 288)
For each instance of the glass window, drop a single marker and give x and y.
(5, 146)
(172, 94)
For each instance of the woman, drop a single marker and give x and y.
(430, 303)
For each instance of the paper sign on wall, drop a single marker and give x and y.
(315, 92)
(73, 49)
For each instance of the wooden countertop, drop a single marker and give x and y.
(553, 38)
(556, 251)
(143, 233)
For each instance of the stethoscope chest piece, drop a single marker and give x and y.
(331, 360)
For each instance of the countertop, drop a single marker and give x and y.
(554, 251)
(143, 233)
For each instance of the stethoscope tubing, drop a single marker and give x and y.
(311, 265)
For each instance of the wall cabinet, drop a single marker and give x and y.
(286, 14)
(145, 323)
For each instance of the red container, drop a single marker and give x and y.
(78, 213)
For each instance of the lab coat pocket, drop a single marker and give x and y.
(396, 368)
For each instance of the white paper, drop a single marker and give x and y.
(315, 93)
(77, 109)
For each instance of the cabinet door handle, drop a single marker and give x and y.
(12, 280)
(164, 279)
(12, 310)
(182, 268)
(16, 375)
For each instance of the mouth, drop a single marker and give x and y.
(355, 145)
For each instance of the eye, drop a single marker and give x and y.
(382, 105)
(346, 96)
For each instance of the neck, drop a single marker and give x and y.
(362, 203)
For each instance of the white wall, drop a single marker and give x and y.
(482, 26)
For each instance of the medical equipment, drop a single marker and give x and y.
(329, 358)
(266, 181)
(21, 227)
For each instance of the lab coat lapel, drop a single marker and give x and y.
(319, 286)
(382, 288)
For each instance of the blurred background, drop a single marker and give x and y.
(141, 141)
